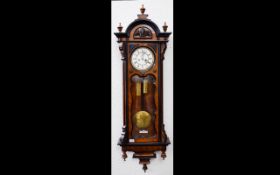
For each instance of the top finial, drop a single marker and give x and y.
(120, 27)
(164, 27)
(142, 9)
(142, 15)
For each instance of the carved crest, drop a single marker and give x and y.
(142, 32)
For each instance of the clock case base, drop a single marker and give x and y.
(144, 151)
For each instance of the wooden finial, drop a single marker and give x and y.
(142, 15)
(164, 27)
(142, 9)
(120, 27)
(145, 167)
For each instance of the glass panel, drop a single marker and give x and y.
(143, 106)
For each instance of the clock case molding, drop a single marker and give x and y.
(143, 32)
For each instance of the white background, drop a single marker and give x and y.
(126, 12)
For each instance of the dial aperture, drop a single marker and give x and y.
(142, 59)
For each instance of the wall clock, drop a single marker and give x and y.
(142, 46)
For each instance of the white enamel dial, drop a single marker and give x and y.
(142, 59)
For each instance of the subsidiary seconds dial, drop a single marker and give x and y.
(142, 59)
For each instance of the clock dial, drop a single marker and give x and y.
(142, 59)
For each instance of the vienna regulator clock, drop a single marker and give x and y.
(142, 46)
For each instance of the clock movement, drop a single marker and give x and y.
(142, 46)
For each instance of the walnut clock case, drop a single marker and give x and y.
(142, 46)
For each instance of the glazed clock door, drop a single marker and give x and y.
(143, 114)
